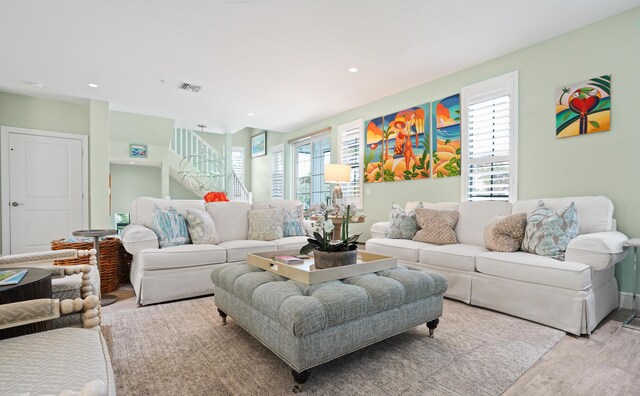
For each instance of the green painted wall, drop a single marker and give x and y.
(138, 128)
(178, 191)
(598, 164)
(129, 182)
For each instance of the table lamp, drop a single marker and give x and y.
(337, 173)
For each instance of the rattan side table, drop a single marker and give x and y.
(107, 299)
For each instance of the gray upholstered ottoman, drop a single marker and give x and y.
(310, 325)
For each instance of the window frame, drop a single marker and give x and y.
(310, 140)
(482, 91)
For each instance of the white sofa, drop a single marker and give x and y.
(572, 295)
(176, 272)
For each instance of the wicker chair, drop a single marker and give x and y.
(76, 287)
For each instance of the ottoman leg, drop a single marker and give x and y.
(223, 316)
(300, 379)
(432, 326)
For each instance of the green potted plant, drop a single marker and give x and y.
(329, 253)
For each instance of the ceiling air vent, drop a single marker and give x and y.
(190, 87)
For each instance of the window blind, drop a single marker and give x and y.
(277, 172)
(350, 155)
(489, 149)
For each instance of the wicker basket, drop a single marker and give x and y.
(109, 256)
(124, 264)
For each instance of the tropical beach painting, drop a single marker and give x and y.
(397, 146)
(584, 107)
(446, 136)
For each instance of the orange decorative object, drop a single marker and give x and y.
(215, 196)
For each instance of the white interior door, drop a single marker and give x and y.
(45, 190)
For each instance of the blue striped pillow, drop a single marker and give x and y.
(170, 226)
(293, 224)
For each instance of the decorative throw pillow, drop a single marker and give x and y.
(265, 224)
(505, 233)
(437, 226)
(402, 225)
(293, 224)
(202, 229)
(170, 226)
(548, 233)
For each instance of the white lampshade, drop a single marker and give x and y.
(337, 173)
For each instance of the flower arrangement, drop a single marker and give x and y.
(214, 196)
(323, 226)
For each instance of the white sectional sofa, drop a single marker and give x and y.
(184, 271)
(572, 295)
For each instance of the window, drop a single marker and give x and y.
(277, 171)
(489, 139)
(350, 154)
(310, 157)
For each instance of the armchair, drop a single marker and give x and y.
(76, 287)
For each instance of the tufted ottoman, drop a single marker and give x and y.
(310, 325)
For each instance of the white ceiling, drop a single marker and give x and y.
(285, 61)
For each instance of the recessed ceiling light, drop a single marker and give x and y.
(37, 85)
(353, 69)
(93, 85)
(251, 114)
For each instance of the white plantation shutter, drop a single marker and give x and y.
(277, 171)
(350, 154)
(489, 140)
(237, 161)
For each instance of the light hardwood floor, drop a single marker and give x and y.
(606, 363)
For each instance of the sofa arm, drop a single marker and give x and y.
(380, 229)
(136, 237)
(598, 250)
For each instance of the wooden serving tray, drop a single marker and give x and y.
(367, 263)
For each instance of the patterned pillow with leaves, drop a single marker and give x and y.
(170, 226)
(436, 226)
(265, 224)
(202, 229)
(402, 225)
(548, 232)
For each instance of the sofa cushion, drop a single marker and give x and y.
(474, 217)
(527, 267)
(436, 226)
(237, 250)
(181, 256)
(402, 224)
(548, 232)
(403, 249)
(170, 226)
(142, 208)
(231, 218)
(458, 256)
(595, 212)
(505, 233)
(290, 243)
(265, 224)
(202, 229)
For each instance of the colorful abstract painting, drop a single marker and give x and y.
(584, 107)
(397, 146)
(446, 136)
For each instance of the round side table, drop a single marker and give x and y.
(35, 284)
(107, 299)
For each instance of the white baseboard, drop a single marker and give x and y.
(626, 300)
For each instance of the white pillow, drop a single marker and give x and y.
(202, 229)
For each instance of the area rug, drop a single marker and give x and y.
(181, 348)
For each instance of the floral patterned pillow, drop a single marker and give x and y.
(202, 229)
(402, 225)
(265, 224)
(548, 233)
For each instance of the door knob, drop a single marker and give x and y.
(14, 203)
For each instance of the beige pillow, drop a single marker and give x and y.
(505, 233)
(265, 224)
(202, 229)
(436, 226)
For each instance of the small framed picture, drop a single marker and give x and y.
(138, 150)
(259, 145)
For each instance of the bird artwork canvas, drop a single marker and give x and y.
(397, 146)
(584, 107)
